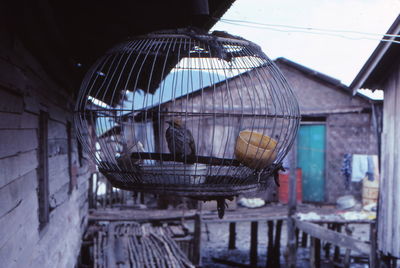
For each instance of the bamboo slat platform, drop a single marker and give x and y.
(130, 244)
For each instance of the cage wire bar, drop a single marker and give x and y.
(165, 112)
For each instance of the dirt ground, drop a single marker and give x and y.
(215, 245)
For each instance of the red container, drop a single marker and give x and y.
(283, 193)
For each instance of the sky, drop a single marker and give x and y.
(339, 54)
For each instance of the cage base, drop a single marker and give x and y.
(202, 191)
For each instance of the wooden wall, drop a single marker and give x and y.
(389, 203)
(25, 90)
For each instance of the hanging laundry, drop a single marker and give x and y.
(359, 167)
(346, 169)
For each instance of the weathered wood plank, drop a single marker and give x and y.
(58, 179)
(11, 102)
(18, 121)
(19, 246)
(395, 248)
(11, 77)
(59, 114)
(16, 166)
(31, 91)
(389, 211)
(333, 237)
(25, 213)
(58, 197)
(17, 75)
(57, 147)
(35, 91)
(12, 194)
(17, 141)
(57, 130)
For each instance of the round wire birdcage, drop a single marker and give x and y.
(187, 113)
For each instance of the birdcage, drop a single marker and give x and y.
(187, 113)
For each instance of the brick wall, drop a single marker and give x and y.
(347, 130)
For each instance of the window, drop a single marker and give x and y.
(43, 170)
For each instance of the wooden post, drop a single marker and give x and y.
(96, 190)
(232, 235)
(297, 234)
(315, 253)
(90, 192)
(304, 239)
(291, 235)
(312, 252)
(270, 253)
(372, 255)
(327, 247)
(197, 241)
(336, 254)
(346, 260)
(277, 246)
(253, 244)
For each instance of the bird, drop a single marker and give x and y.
(180, 140)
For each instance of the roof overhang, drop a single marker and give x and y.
(379, 64)
(67, 36)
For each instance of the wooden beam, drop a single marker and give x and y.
(327, 247)
(197, 241)
(270, 253)
(304, 239)
(292, 205)
(336, 253)
(277, 244)
(333, 237)
(347, 259)
(315, 253)
(253, 244)
(232, 235)
(374, 245)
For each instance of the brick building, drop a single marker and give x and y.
(346, 125)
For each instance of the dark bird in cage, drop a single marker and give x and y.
(180, 141)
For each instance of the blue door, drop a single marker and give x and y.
(311, 159)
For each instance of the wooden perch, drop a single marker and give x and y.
(215, 161)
